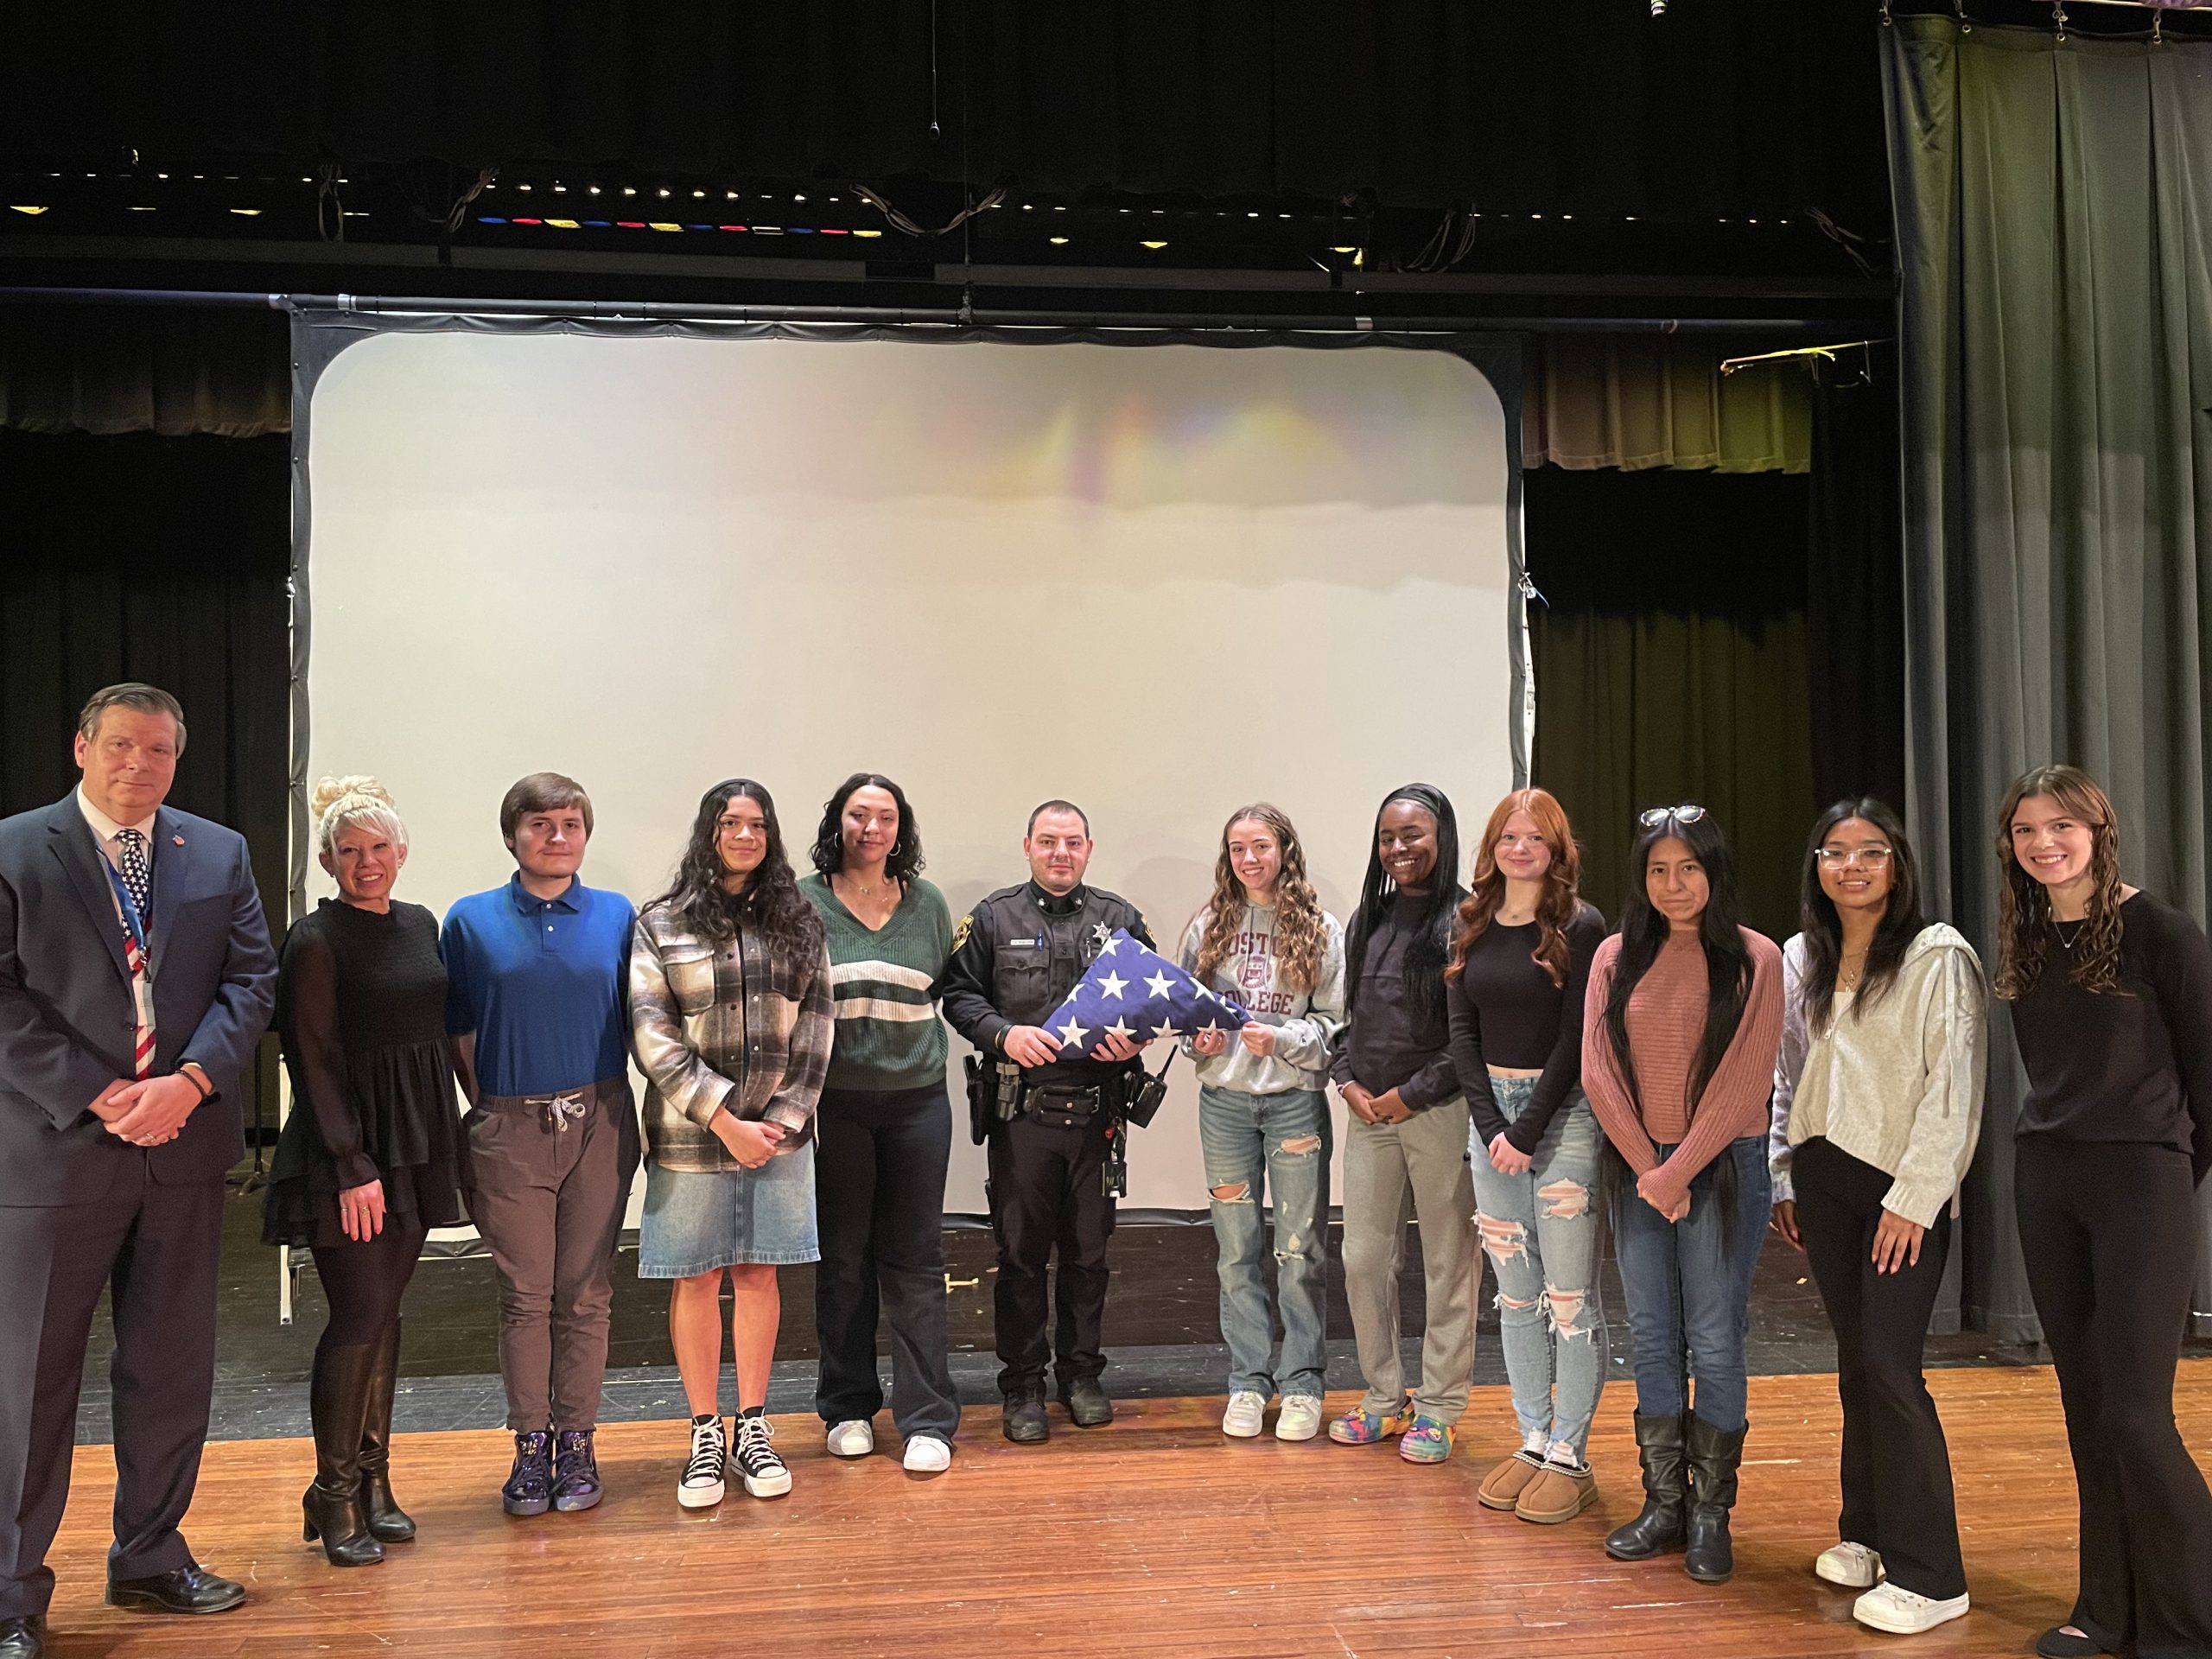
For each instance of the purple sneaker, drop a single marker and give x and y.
(528, 1489)
(576, 1471)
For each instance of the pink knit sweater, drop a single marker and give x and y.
(1666, 1020)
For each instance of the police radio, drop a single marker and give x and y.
(1144, 1099)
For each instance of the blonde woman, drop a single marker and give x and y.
(1264, 1111)
(370, 1158)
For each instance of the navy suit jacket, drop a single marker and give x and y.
(67, 1025)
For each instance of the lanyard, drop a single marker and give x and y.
(133, 923)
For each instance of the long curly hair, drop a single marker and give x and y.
(1562, 885)
(1817, 919)
(771, 902)
(1728, 964)
(828, 853)
(2024, 921)
(1301, 934)
(1431, 942)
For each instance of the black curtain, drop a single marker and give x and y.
(1670, 661)
(159, 559)
(1855, 608)
(1720, 106)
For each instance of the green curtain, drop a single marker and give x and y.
(2054, 221)
(1669, 658)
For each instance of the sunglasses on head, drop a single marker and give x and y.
(1659, 815)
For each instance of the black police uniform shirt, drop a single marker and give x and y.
(1016, 957)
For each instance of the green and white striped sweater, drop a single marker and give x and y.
(889, 1036)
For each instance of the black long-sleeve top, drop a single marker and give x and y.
(2136, 1066)
(1506, 1012)
(1391, 1041)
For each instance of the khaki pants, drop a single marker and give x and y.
(1393, 1171)
(549, 1202)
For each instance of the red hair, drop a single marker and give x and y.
(1562, 884)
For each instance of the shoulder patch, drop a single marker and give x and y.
(960, 933)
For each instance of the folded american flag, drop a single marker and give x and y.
(1138, 993)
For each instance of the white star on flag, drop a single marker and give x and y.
(1113, 985)
(1071, 1035)
(1166, 1028)
(1160, 985)
(1121, 1028)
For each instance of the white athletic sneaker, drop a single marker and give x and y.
(765, 1473)
(1901, 1612)
(1300, 1418)
(854, 1438)
(1853, 1565)
(926, 1454)
(1246, 1413)
(699, 1485)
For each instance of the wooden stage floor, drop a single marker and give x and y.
(1154, 1536)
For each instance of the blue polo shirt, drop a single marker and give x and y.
(543, 982)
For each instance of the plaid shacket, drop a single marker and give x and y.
(724, 1026)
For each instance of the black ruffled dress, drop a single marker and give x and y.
(361, 1006)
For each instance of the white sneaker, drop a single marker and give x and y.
(699, 1485)
(1901, 1612)
(1300, 1418)
(764, 1471)
(1247, 1413)
(1853, 1565)
(926, 1454)
(854, 1438)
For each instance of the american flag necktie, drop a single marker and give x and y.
(130, 856)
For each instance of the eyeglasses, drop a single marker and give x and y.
(1659, 815)
(1872, 858)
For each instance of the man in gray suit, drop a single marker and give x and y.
(136, 977)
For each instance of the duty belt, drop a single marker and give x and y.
(1074, 1104)
(569, 1106)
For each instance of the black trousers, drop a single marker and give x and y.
(1897, 1467)
(1048, 1190)
(879, 1172)
(2109, 1233)
(159, 1249)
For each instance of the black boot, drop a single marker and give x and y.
(1714, 1457)
(338, 1404)
(1658, 1528)
(390, 1523)
(1022, 1420)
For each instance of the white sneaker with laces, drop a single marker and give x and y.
(1853, 1565)
(1246, 1413)
(926, 1454)
(1300, 1418)
(854, 1438)
(699, 1485)
(765, 1473)
(1903, 1612)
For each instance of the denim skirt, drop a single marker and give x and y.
(696, 1222)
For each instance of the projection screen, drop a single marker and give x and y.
(1160, 582)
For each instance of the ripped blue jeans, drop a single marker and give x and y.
(1540, 1232)
(1271, 1148)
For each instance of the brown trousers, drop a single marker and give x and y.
(548, 1201)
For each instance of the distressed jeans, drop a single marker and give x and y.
(1272, 1148)
(1540, 1230)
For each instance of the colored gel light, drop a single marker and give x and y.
(489, 219)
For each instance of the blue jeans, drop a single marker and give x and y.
(1689, 1285)
(1275, 1145)
(1540, 1230)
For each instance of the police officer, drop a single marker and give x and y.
(1015, 957)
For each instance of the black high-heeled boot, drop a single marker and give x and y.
(338, 1404)
(386, 1520)
(1713, 1457)
(1659, 1526)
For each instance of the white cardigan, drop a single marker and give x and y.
(1897, 1084)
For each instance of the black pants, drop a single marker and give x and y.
(879, 1171)
(157, 1249)
(364, 1281)
(1047, 1189)
(1897, 1467)
(2109, 1233)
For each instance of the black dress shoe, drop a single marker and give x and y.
(1088, 1403)
(23, 1638)
(187, 1590)
(1022, 1420)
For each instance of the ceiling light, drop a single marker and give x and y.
(247, 213)
(27, 208)
(1057, 241)
(1155, 246)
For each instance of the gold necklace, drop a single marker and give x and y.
(1847, 972)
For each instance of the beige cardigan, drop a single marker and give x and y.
(1897, 1085)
